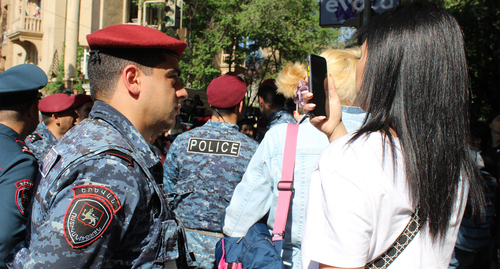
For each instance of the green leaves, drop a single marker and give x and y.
(260, 36)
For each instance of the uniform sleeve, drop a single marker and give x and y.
(93, 217)
(338, 215)
(16, 187)
(171, 173)
(252, 197)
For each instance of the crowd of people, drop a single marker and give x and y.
(394, 177)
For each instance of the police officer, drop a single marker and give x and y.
(99, 204)
(272, 107)
(58, 115)
(204, 165)
(18, 167)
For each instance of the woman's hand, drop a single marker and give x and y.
(331, 126)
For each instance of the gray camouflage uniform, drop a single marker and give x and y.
(98, 203)
(279, 116)
(202, 168)
(41, 141)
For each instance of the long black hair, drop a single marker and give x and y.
(415, 82)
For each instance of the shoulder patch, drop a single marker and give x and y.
(24, 191)
(34, 137)
(214, 147)
(120, 154)
(89, 214)
(50, 159)
(24, 147)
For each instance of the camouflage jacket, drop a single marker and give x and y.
(280, 115)
(41, 141)
(18, 173)
(98, 203)
(202, 168)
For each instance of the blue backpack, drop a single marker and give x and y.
(255, 250)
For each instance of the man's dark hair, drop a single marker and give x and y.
(415, 81)
(271, 96)
(224, 111)
(105, 67)
(18, 110)
(46, 117)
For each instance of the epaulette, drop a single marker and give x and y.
(34, 137)
(121, 155)
(24, 147)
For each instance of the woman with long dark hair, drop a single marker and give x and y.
(410, 158)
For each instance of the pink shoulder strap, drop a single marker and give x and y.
(285, 186)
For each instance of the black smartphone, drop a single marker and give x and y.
(318, 84)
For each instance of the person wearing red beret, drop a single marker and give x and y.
(204, 165)
(58, 116)
(272, 107)
(100, 203)
(83, 104)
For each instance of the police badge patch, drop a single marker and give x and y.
(89, 214)
(23, 194)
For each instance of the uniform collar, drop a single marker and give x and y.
(276, 115)
(107, 113)
(45, 132)
(221, 125)
(6, 130)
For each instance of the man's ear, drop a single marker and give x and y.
(132, 79)
(241, 107)
(33, 111)
(55, 118)
(261, 101)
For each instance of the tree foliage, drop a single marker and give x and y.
(259, 35)
(57, 85)
(480, 22)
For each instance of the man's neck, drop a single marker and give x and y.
(232, 118)
(54, 130)
(18, 127)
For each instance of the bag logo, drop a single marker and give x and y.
(89, 214)
(24, 191)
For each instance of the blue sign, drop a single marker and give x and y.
(345, 12)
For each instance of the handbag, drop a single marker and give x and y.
(385, 259)
(258, 249)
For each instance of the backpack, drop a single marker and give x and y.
(254, 250)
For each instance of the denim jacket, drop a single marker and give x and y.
(256, 194)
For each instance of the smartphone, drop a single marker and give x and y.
(318, 84)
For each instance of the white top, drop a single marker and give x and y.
(358, 206)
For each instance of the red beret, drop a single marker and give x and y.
(130, 36)
(226, 91)
(56, 103)
(270, 82)
(81, 99)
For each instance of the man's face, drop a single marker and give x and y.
(83, 111)
(247, 129)
(495, 124)
(164, 92)
(67, 119)
(262, 108)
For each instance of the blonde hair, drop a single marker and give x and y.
(341, 64)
